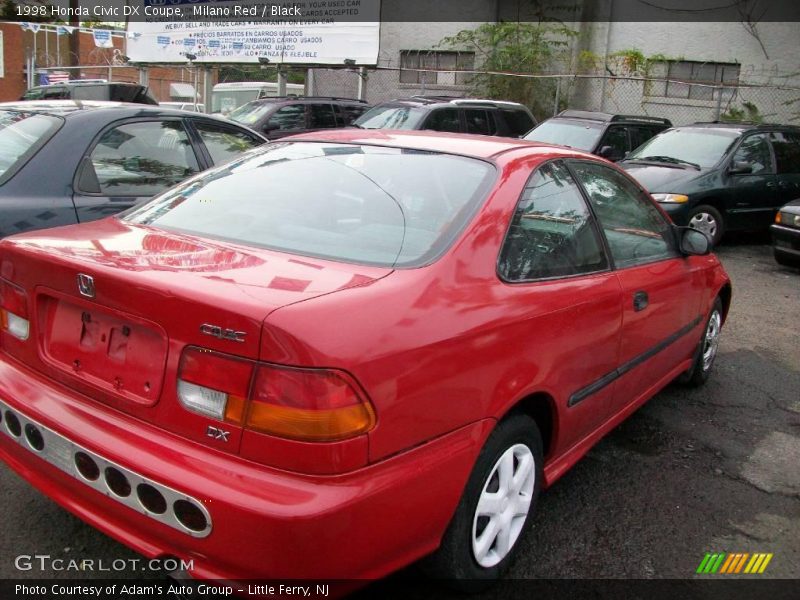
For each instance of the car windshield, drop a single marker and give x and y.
(21, 135)
(698, 146)
(391, 117)
(575, 134)
(250, 113)
(344, 202)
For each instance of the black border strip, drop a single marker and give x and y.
(606, 379)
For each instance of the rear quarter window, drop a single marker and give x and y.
(21, 136)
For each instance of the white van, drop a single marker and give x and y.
(226, 97)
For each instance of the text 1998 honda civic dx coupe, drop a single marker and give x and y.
(343, 352)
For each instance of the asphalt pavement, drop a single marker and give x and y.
(714, 469)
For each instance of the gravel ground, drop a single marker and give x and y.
(693, 471)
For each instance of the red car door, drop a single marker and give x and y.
(661, 289)
(560, 284)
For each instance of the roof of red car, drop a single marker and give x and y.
(478, 146)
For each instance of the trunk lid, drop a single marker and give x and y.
(112, 305)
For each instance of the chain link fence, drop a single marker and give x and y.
(680, 101)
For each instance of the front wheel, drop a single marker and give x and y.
(708, 220)
(706, 352)
(495, 509)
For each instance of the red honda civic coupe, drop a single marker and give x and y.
(346, 351)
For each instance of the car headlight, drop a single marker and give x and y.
(788, 219)
(673, 198)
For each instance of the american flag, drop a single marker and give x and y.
(58, 77)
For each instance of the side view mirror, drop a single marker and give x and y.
(694, 242)
(740, 167)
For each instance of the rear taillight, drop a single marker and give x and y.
(320, 405)
(14, 310)
(308, 404)
(213, 384)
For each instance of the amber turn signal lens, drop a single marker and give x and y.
(314, 405)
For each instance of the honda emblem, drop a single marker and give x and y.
(86, 285)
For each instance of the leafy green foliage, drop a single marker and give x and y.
(515, 47)
(748, 112)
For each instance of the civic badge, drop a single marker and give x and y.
(86, 285)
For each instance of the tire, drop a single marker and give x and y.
(708, 220)
(786, 261)
(706, 351)
(477, 549)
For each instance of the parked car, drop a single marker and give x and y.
(786, 235)
(64, 161)
(305, 344)
(92, 90)
(290, 115)
(228, 96)
(604, 134)
(720, 177)
(455, 115)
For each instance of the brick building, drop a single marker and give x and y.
(53, 50)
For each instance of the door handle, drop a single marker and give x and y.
(771, 184)
(640, 301)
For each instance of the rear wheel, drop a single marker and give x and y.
(706, 352)
(495, 511)
(708, 220)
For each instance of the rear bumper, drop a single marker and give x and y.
(786, 240)
(265, 523)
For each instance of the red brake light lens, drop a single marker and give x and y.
(308, 404)
(313, 405)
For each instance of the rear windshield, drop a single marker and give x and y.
(391, 117)
(575, 134)
(352, 203)
(21, 135)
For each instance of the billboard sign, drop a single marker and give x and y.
(317, 32)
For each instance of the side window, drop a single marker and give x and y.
(443, 119)
(635, 229)
(222, 143)
(288, 117)
(787, 151)
(617, 138)
(58, 93)
(639, 135)
(140, 159)
(552, 233)
(478, 121)
(519, 122)
(321, 116)
(347, 113)
(754, 150)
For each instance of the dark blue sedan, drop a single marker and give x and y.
(65, 162)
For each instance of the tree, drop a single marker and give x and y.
(520, 48)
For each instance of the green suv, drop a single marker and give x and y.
(720, 177)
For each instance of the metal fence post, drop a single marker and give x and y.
(558, 94)
(144, 78)
(281, 81)
(362, 83)
(718, 110)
